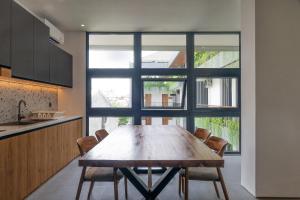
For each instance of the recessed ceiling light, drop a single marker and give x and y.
(82, 25)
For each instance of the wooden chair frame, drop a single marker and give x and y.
(218, 145)
(202, 134)
(101, 134)
(90, 140)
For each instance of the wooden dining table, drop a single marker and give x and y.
(166, 146)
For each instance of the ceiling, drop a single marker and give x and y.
(139, 15)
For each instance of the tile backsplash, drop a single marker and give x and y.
(36, 97)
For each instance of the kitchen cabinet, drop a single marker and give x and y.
(30, 159)
(22, 43)
(61, 62)
(41, 52)
(33, 57)
(5, 14)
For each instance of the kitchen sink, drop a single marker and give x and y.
(27, 122)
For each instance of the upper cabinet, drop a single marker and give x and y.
(5, 13)
(25, 47)
(41, 52)
(61, 62)
(22, 43)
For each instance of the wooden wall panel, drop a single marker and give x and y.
(28, 160)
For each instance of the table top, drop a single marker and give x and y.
(151, 146)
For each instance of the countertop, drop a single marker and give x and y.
(18, 129)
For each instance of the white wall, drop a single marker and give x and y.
(277, 98)
(72, 101)
(270, 97)
(248, 96)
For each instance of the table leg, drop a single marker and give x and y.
(149, 178)
(152, 193)
(186, 184)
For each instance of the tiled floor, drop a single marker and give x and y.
(63, 186)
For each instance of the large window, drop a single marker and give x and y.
(187, 79)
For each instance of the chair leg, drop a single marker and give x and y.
(126, 187)
(179, 185)
(80, 183)
(216, 188)
(183, 184)
(186, 184)
(116, 182)
(223, 184)
(90, 190)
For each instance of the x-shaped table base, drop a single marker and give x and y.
(150, 194)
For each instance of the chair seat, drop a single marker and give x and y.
(202, 173)
(101, 174)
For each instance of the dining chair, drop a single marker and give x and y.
(101, 134)
(202, 134)
(218, 145)
(97, 174)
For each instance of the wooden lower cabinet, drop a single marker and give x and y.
(28, 160)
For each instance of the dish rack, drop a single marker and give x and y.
(46, 115)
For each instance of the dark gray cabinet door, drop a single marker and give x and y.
(60, 67)
(22, 43)
(68, 69)
(41, 52)
(5, 11)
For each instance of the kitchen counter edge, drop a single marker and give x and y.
(32, 127)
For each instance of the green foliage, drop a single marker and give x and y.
(123, 121)
(167, 86)
(203, 56)
(222, 126)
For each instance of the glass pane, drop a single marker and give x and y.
(163, 51)
(111, 51)
(224, 127)
(216, 92)
(111, 92)
(108, 123)
(163, 94)
(179, 121)
(217, 51)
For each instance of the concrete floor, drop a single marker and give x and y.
(64, 184)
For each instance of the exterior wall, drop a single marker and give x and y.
(72, 101)
(234, 93)
(214, 92)
(277, 98)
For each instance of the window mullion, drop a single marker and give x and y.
(137, 83)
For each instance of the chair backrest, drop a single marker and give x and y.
(101, 134)
(202, 133)
(86, 143)
(217, 144)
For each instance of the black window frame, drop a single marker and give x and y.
(137, 111)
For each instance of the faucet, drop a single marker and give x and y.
(20, 116)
